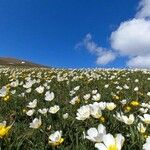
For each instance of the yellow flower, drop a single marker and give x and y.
(127, 108)
(116, 97)
(102, 119)
(6, 98)
(4, 129)
(8, 86)
(145, 135)
(140, 93)
(135, 103)
(24, 110)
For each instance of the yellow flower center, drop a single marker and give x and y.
(112, 147)
(78, 100)
(102, 119)
(58, 142)
(127, 108)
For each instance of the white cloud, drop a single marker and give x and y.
(104, 56)
(139, 62)
(132, 38)
(144, 9)
(91, 45)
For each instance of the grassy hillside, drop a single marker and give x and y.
(42, 109)
(13, 62)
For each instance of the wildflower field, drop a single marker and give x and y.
(50, 109)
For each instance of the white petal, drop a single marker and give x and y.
(101, 129)
(108, 140)
(100, 146)
(92, 132)
(119, 141)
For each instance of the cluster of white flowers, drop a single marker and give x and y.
(93, 94)
(95, 110)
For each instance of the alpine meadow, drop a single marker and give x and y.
(50, 109)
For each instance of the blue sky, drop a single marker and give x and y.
(47, 31)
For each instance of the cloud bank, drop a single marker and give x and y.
(131, 39)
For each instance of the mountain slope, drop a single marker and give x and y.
(6, 61)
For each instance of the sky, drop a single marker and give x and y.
(77, 33)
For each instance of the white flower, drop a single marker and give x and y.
(127, 120)
(3, 91)
(77, 88)
(28, 84)
(43, 111)
(65, 116)
(94, 91)
(102, 105)
(13, 91)
(54, 109)
(83, 112)
(148, 93)
(48, 87)
(40, 89)
(110, 106)
(32, 104)
(145, 119)
(136, 89)
(3, 123)
(106, 86)
(14, 83)
(111, 143)
(126, 87)
(36, 123)
(72, 93)
(49, 96)
(87, 96)
(21, 95)
(144, 105)
(55, 139)
(136, 80)
(95, 110)
(28, 90)
(96, 97)
(141, 128)
(30, 112)
(123, 102)
(146, 146)
(119, 87)
(142, 110)
(75, 100)
(96, 135)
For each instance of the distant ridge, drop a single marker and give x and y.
(7, 61)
